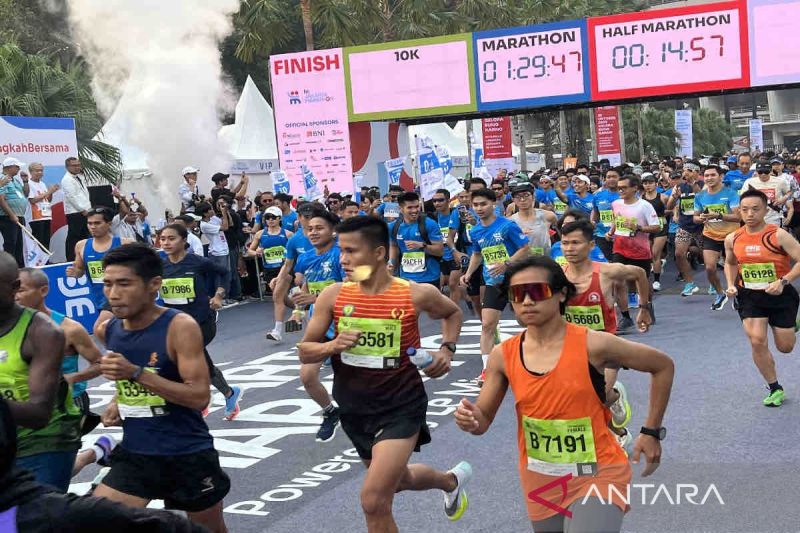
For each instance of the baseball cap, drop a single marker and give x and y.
(763, 168)
(274, 210)
(583, 177)
(219, 176)
(731, 159)
(776, 159)
(522, 187)
(648, 176)
(12, 162)
(189, 170)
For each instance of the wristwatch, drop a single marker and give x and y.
(659, 433)
(450, 346)
(137, 373)
(785, 282)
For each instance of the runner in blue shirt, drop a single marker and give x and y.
(288, 217)
(580, 198)
(413, 256)
(496, 241)
(736, 178)
(448, 221)
(545, 194)
(602, 215)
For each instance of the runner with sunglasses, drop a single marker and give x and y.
(759, 275)
(555, 371)
(379, 390)
(89, 254)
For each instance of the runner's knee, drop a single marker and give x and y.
(309, 374)
(376, 502)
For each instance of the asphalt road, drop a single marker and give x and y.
(729, 464)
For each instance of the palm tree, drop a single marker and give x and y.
(659, 137)
(711, 132)
(33, 85)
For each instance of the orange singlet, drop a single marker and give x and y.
(566, 450)
(761, 259)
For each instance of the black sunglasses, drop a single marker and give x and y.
(438, 200)
(271, 217)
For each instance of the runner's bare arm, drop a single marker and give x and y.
(435, 248)
(792, 248)
(552, 219)
(732, 265)
(311, 349)
(476, 417)
(561, 196)
(79, 339)
(43, 348)
(254, 244)
(430, 300)
(394, 255)
(78, 268)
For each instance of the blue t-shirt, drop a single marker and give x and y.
(735, 179)
(288, 221)
(585, 204)
(447, 223)
(547, 197)
(298, 245)
(602, 202)
(320, 271)
(723, 201)
(416, 265)
(557, 255)
(496, 242)
(389, 211)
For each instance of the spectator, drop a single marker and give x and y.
(40, 196)
(221, 186)
(189, 192)
(267, 198)
(334, 204)
(76, 205)
(128, 223)
(289, 218)
(235, 238)
(13, 204)
(189, 221)
(213, 228)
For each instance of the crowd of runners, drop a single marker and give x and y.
(574, 252)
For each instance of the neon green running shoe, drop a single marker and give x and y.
(775, 398)
(620, 409)
(456, 502)
(497, 335)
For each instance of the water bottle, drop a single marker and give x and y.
(421, 358)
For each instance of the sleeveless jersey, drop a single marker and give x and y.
(62, 432)
(761, 259)
(274, 249)
(152, 425)
(660, 208)
(590, 308)
(376, 376)
(94, 269)
(70, 363)
(562, 429)
(537, 230)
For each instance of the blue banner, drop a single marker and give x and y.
(70, 296)
(280, 183)
(394, 169)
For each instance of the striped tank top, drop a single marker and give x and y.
(376, 376)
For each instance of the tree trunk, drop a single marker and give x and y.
(308, 27)
(388, 34)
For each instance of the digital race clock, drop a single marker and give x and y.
(669, 51)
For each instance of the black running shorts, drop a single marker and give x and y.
(713, 245)
(495, 298)
(475, 282)
(365, 431)
(780, 311)
(191, 483)
(449, 266)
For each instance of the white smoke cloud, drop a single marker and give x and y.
(157, 73)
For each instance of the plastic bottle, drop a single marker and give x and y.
(421, 358)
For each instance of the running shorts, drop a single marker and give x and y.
(646, 264)
(365, 431)
(780, 311)
(270, 274)
(475, 282)
(494, 298)
(713, 245)
(449, 266)
(606, 246)
(191, 483)
(686, 236)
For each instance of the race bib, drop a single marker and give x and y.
(662, 222)
(135, 401)
(606, 216)
(560, 447)
(177, 291)
(316, 287)
(274, 256)
(379, 343)
(687, 205)
(559, 207)
(719, 209)
(445, 233)
(96, 271)
(758, 276)
(493, 255)
(413, 262)
(561, 260)
(8, 391)
(590, 316)
(624, 231)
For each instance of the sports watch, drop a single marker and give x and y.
(658, 433)
(450, 346)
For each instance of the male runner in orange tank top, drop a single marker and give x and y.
(567, 453)
(381, 397)
(593, 306)
(759, 274)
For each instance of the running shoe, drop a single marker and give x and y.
(656, 286)
(205, 412)
(620, 409)
(719, 303)
(497, 335)
(482, 378)
(456, 502)
(274, 335)
(712, 291)
(774, 398)
(633, 300)
(327, 430)
(106, 443)
(797, 324)
(232, 404)
(625, 325)
(625, 441)
(689, 289)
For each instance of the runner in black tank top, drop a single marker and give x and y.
(658, 241)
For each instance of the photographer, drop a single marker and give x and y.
(189, 192)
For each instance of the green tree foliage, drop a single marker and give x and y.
(712, 134)
(658, 132)
(36, 85)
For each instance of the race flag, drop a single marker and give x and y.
(36, 255)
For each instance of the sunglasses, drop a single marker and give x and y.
(537, 292)
(271, 217)
(438, 200)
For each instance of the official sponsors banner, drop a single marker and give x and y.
(756, 135)
(683, 125)
(311, 118)
(606, 121)
(70, 296)
(48, 141)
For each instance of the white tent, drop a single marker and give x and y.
(252, 135)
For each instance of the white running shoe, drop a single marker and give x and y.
(656, 286)
(456, 502)
(275, 335)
